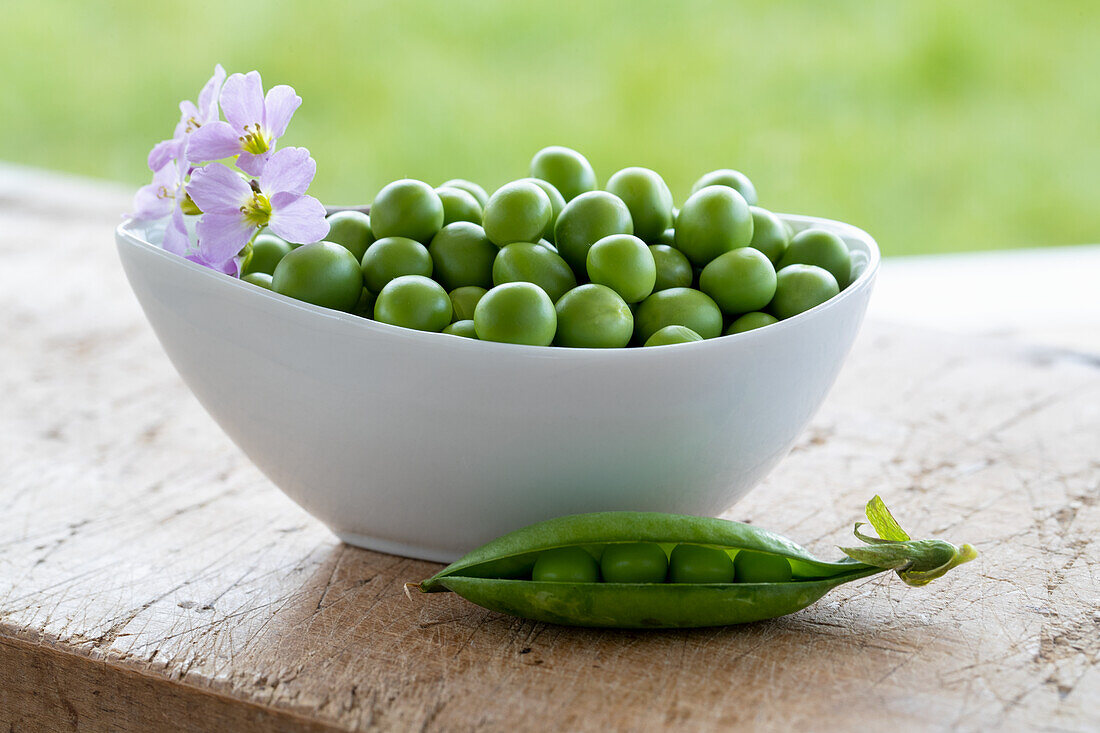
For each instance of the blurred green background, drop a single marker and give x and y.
(937, 126)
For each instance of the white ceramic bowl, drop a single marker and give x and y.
(427, 445)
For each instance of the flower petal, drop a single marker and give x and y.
(189, 114)
(298, 219)
(279, 106)
(289, 169)
(242, 100)
(176, 239)
(212, 141)
(215, 188)
(156, 199)
(150, 204)
(164, 151)
(251, 164)
(221, 236)
(229, 267)
(208, 97)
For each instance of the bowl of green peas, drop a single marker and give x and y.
(448, 365)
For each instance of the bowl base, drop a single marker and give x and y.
(397, 548)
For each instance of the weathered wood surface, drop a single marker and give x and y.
(149, 576)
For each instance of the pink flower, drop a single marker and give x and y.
(254, 124)
(229, 206)
(231, 266)
(192, 117)
(177, 241)
(234, 208)
(160, 197)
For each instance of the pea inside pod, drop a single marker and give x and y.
(700, 589)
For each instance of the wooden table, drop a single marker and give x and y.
(150, 578)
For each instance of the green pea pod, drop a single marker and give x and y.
(497, 575)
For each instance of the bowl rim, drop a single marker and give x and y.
(125, 233)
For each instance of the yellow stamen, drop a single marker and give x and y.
(257, 211)
(254, 141)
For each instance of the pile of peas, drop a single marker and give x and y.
(552, 260)
(646, 562)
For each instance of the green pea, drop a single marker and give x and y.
(548, 245)
(469, 187)
(267, 250)
(673, 335)
(770, 234)
(391, 257)
(414, 301)
(587, 219)
(464, 300)
(736, 180)
(713, 221)
(516, 313)
(647, 196)
(668, 236)
(557, 203)
(699, 564)
(262, 279)
(533, 263)
(673, 269)
(464, 328)
(801, 287)
(623, 263)
(462, 255)
(677, 307)
(634, 562)
(761, 567)
(458, 205)
(594, 317)
(351, 229)
(365, 307)
(822, 248)
(516, 212)
(266, 232)
(565, 565)
(321, 273)
(565, 169)
(751, 321)
(407, 208)
(739, 281)
(700, 594)
(860, 261)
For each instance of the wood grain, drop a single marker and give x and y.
(148, 573)
(42, 688)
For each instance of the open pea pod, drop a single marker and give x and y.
(498, 575)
